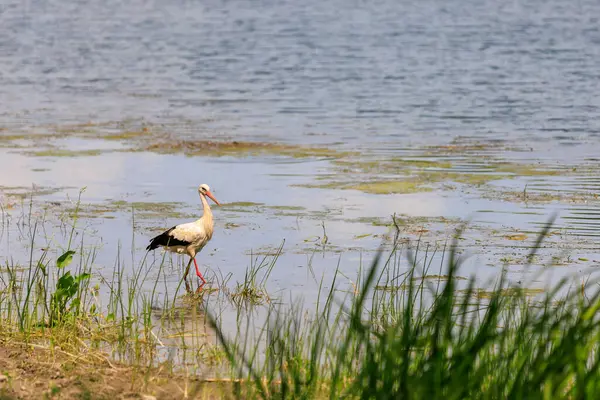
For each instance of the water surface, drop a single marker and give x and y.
(472, 88)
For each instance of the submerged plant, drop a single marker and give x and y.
(252, 290)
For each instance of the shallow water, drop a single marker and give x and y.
(488, 110)
(130, 197)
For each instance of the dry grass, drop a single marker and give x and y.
(30, 371)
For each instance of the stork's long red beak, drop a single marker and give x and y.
(209, 194)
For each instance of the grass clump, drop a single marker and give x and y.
(252, 290)
(428, 341)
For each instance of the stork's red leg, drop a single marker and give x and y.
(198, 273)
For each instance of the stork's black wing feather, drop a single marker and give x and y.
(166, 239)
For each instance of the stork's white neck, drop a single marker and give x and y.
(207, 217)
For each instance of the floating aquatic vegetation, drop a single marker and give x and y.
(56, 152)
(216, 148)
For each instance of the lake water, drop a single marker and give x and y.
(365, 74)
(462, 84)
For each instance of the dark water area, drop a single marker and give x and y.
(361, 74)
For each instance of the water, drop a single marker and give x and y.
(356, 73)
(383, 79)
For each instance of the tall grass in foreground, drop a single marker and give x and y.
(435, 342)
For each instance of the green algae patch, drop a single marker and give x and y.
(526, 170)
(22, 192)
(128, 134)
(421, 174)
(212, 148)
(434, 171)
(289, 211)
(508, 292)
(390, 165)
(389, 187)
(65, 153)
(242, 207)
(461, 145)
(324, 185)
(146, 209)
(439, 278)
(404, 287)
(405, 222)
(92, 211)
(241, 204)
(29, 136)
(140, 209)
(432, 177)
(99, 129)
(424, 163)
(374, 221)
(374, 187)
(125, 130)
(537, 197)
(287, 208)
(248, 207)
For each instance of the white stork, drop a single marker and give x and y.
(189, 238)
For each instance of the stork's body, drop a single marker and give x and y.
(191, 237)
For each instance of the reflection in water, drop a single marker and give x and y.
(185, 337)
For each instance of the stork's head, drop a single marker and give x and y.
(204, 190)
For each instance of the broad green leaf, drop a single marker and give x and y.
(65, 282)
(66, 287)
(65, 259)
